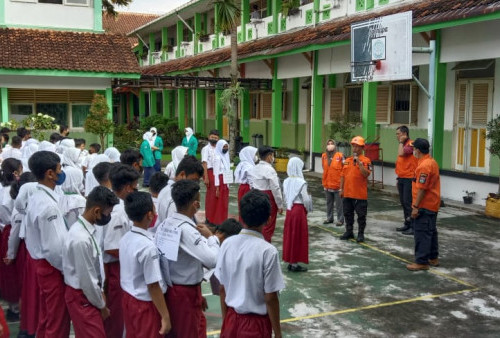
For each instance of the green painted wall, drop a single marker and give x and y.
(4, 105)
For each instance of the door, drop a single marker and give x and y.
(473, 110)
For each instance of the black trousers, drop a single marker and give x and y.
(351, 205)
(426, 236)
(405, 197)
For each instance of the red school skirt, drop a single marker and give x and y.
(245, 325)
(268, 230)
(242, 190)
(210, 197)
(296, 235)
(10, 287)
(221, 203)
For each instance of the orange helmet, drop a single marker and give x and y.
(358, 140)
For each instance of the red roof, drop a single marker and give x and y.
(62, 50)
(424, 13)
(125, 23)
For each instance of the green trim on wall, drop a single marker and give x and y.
(167, 101)
(295, 100)
(109, 101)
(245, 116)
(142, 105)
(276, 16)
(179, 32)
(181, 103)
(439, 104)
(98, 15)
(276, 108)
(151, 47)
(218, 111)
(131, 112)
(245, 18)
(4, 104)
(316, 7)
(201, 110)
(64, 29)
(369, 108)
(2, 13)
(215, 41)
(164, 43)
(197, 31)
(332, 81)
(457, 22)
(153, 107)
(67, 73)
(317, 106)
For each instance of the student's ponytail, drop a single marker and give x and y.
(16, 185)
(9, 166)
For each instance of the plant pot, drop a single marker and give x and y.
(467, 199)
(280, 164)
(492, 207)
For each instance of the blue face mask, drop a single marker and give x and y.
(61, 177)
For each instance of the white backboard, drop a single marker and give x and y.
(381, 49)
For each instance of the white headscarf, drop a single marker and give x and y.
(21, 203)
(189, 133)
(292, 186)
(178, 153)
(113, 154)
(29, 149)
(72, 188)
(64, 144)
(90, 181)
(47, 146)
(154, 132)
(247, 156)
(70, 157)
(224, 157)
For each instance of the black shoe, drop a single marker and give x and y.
(408, 232)
(346, 236)
(339, 224)
(297, 268)
(328, 221)
(22, 334)
(12, 316)
(289, 267)
(361, 238)
(403, 228)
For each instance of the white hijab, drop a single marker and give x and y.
(292, 186)
(113, 154)
(21, 203)
(47, 146)
(154, 133)
(247, 162)
(64, 144)
(70, 157)
(29, 149)
(224, 157)
(189, 133)
(90, 181)
(72, 188)
(178, 153)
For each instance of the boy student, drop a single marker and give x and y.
(157, 182)
(94, 149)
(249, 294)
(82, 267)
(133, 158)
(144, 309)
(123, 182)
(101, 173)
(189, 168)
(46, 231)
(197, 248)
(207, 159)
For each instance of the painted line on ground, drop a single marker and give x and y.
(432, 270)
(368, 307)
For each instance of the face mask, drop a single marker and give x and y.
(187, 134)
(212, 141)
(141, 169)
(61, 177)
(67, 134)
(330, 147)
(224, 151)
(103, 220)
(153, 222)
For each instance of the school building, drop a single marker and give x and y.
(305, 56)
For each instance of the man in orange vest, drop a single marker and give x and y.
(406, 164)
(354, 189)
(332, 169)
(426, 191)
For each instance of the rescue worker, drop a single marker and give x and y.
(332, 162)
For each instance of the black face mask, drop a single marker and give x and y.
(141, 169)
(224, 151)
(103, 220)
(212, 141)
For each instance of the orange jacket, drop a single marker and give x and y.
(332, 172)
(355, 184)
(427, 178)
(406, 164)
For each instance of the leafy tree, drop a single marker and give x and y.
(493, 134)
(109, 5)
(97, 121)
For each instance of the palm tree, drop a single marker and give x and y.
(228, 14)
(109, 5)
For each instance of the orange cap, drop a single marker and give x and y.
(358, 140)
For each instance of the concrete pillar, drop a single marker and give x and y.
(201, 110)
(317, 107)
(276, 15)
(142, 105)
(218, 111)
(151, 47)
(181, 103)
(197, 31)
(4, 105)
(179, 36)
(245, 116)
(295, 110)
(245, 18)
(439, 102)
(369, 107)
(153, 108)
(277, 108)
(109, 101)
(164, 43)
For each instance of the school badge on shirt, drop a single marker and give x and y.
(422, 179)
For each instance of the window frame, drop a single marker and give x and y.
(19, 103)
(412, 85)
(70, 118)
(347, 113)
(66, 3)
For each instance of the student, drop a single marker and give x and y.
(190, 169)
(247, 161)
(158, 181)
(197, 248)
(94, 150)
(249, 295)
(72, 202)
(263, 177)
(47, 146)
(14, 151)
(221, 164)
(332, 162)
(148, 161)
(63, 131)
(354, 189)
(16, 257)
(113, 154)
(80, 144)
(133, 158)
(298, 204)
(54, 138)
(144, 308)
(157, 148)
(82, 266)
(190, 141)
(101, 173)
(9, 281)
(24, 134)
(30, 147)
(178, 153)
(207, 160)
(90, 181)
(45, 235)
(123, 182)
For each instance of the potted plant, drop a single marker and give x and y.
(167, 49)
(341, 132)
(202, 37)
(493, 134)
(469, 196)
(290, 7)
(282, 156)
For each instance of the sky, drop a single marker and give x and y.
(152, 6)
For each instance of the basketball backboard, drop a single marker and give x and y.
(381, 49)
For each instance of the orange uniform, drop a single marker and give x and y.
(332, 172)
(406, 164)
(355, 184)
(427, 178)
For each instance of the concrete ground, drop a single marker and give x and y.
(364, 290)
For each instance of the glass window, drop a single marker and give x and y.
(77, 2)
(58, 2)
(19, 111)
(79, 113)
(254, 106)
(354, 97)
(57, 110)
(401, 103)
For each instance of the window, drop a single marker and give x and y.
(79, 113)
(57, 2)
(57, 110)
(76, 2)
(254, 106)
(405, 103)
(353, 107)
(19, 111)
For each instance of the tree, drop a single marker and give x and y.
(109, 5)
(493, 134)
(228, 13)
(97, 121)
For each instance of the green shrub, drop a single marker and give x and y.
(127, 136)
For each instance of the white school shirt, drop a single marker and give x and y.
(219, 168)
(208, 155)
(113, 232)
(81, 262)
(249, 267)
(6, 205)
(12, 153)
(263, 177)
(195, 251)
(14, 239)
(45, 227)
(166, 204)
(139, 264)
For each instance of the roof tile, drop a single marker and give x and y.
(126, 22)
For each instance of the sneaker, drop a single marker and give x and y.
(434, 262)
(417, 267)
(361, 238)
(12, 316)
(339, 224)
(403, 228)
(328, 221)
(346, 236)
(297, 268)
(408, 232)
